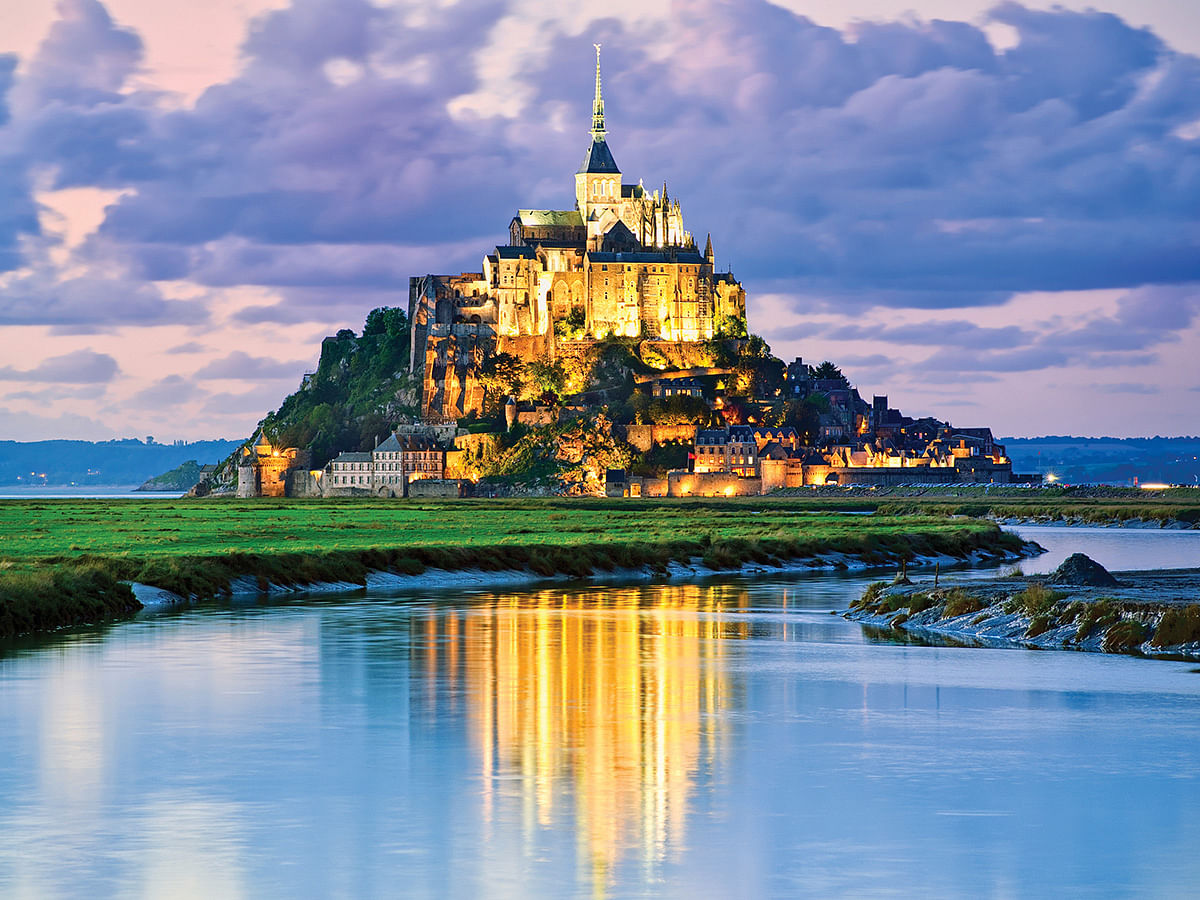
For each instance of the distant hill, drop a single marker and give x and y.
(123, 462)
(1108, 460)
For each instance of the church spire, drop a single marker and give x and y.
(598, 131)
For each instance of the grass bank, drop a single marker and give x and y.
(66, 558)
(1146, 613)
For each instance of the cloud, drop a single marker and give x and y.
(901, 165)
(255, 402)
(85, 304)
(59, 393)
(16, 425)
(1129, 387)
(907, 164)
(79, 367)
(166, 393)
(239, 365)
(187, 347)
(957, 333)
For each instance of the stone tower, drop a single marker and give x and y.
(598, 181)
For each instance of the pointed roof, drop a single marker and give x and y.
(390, 445)
(599, 159)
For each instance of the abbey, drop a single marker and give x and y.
(619, 263)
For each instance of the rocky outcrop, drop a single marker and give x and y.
(1083, 571)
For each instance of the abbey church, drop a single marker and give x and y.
(619, 263)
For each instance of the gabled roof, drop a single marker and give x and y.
(599, 160)
(619, 238)
(569, 217)
(390, 445)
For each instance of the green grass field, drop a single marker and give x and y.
(85, 548)
(36, 530)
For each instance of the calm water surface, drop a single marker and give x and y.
(724, 739)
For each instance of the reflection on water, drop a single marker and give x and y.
(604, 702)
(725, 739)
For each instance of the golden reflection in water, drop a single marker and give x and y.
(606, 703)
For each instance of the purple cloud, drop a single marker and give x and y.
(909, 164)
(239, 365)
(80, 367)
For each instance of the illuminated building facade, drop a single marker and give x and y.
(619, 263)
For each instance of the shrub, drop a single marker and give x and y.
(919, 603)
(870, 596)
(1037, 601)
(1178, 626)
(1100, 614)
(960, 603)
(1040, 625)
(1124, 635)
(898, 620)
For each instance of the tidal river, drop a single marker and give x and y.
(723, 739)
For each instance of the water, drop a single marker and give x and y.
(723, 739)
(82, 492)
(1117, 549)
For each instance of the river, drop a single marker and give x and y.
(728, 738)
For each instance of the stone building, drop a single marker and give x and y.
(619, 263)
(388, 470)
(265, 470)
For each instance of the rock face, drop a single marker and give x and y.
(1082, 570)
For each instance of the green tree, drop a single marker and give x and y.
(548, 377)
(731, 327)
(389, 320)
(502, 374)
(827, 371)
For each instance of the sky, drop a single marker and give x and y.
(988, 211)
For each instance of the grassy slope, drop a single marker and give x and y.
(198, 546)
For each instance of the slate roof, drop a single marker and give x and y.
(599, 160)
(515, 252)
(391, 445)
(712, 436)
(743, 434)
(686, 257)
(353, 456)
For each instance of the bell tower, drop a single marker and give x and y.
(598, 181)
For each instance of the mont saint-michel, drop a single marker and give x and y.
(598, 351)
(619, 262)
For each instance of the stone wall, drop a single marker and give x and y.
(305, 483)
(711, 484)
(438, 487)
(645, 436)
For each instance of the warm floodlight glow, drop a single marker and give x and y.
(1154, 486)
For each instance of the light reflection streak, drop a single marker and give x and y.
(606, 704)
